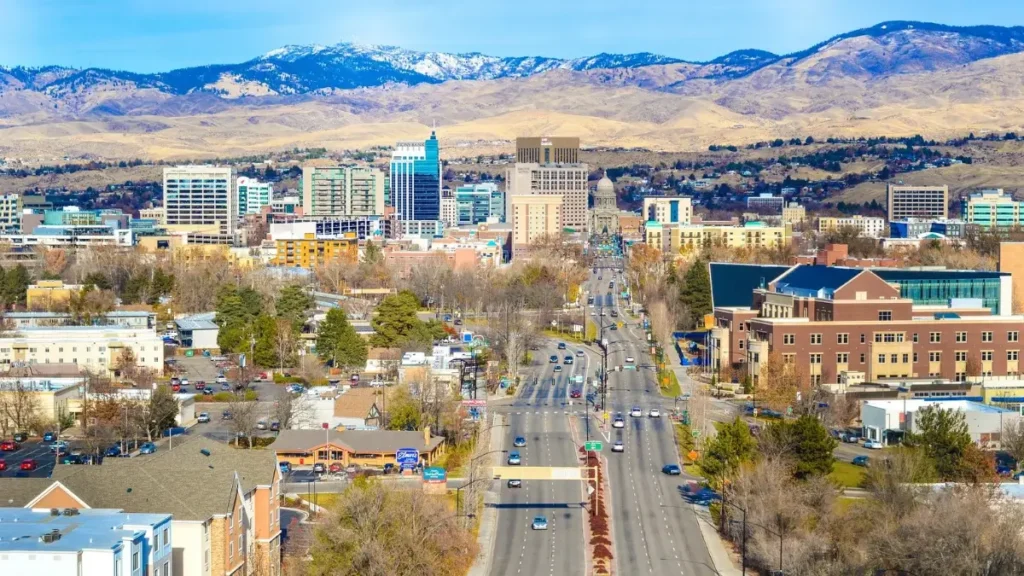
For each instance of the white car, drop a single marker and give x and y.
(636, 412)
(618, 446)
(629, 359)
(539, 523)
(655, 413)
(204, 417)
(619, 422)
(873, 445)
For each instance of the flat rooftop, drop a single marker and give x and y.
(916, 404)
(21, 530)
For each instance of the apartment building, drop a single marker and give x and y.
(928, 202)
(668, 209)
(67, 541)
(223, 502)
(829, 321)
(478, 203)
(566, 180)
(678, 238)
(10, 213)
(415, 180)
(548, 150)
(200, 199)
(310, 251)
(868, 226)
(992, 209)
(95, 348)
(534, 217)
(253, 195)
(794, 213)
(449, 208)
(342, 191)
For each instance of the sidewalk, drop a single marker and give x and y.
(721, 557)
(489, 518)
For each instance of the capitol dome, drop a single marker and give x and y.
(605, 186)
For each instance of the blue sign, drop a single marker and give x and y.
(434, 474)
(407, 457)
(467, 337)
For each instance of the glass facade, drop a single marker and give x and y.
(940, 289)
(478, 202)
(416, 180)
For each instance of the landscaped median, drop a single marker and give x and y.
(250, 396)
(597, 517)
(668, 383)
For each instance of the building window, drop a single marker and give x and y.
(789, 338)
(741, 344)
(961, 337)
(842, 338)
(986, 355)
(843, 358)
(884, 315)
(788, 358)
(135, 561)
(862, 338)
(881, 358)
(894, 358)
(935, 337)
(816, 358)
(815, 338)
(915, 356)
(167, 536)
(986, 336)
(960, 355)
(1013, 336)
(861, 357)
(915, 337)
(935, 356)
(1012, 354)
(906, 358)
(231, 550)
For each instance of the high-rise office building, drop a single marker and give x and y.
(200, 198)
(545, 150)
(993, 209)
(10, 213)
(449, 208)
(416, 180)
(534, 217)
(478, 203)
(253, 195)
(566, 180)
(929, 202)
(342, 191)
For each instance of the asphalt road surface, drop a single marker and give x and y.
(655, 530)
(541, 414)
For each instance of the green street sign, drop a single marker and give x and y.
(695, 433)
(592, 446)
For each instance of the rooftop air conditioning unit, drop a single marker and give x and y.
(54, 511)
(71, 511)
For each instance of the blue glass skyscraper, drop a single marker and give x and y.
(416, 180)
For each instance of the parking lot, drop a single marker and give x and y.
(32, 448)
(202, 369)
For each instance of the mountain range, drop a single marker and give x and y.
(890, 78)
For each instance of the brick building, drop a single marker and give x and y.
(832, 320)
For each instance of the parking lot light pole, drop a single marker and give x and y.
(458, 494)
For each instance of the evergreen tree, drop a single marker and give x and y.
(337, 341)
(265, 349)
(723, 454)
(809, 443)
(696, 293)
(395, 322)
(372, 254)
(97, 279)
(161, 285)
(292, 305)
(945, 438)
(15, 285)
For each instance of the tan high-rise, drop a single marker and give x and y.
(533, 218)
(545, 150)
(568, 181)
(928, 202)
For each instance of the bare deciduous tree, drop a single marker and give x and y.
(19, 408)
(244, 416)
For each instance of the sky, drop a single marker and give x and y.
(159, 35)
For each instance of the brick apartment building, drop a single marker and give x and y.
(831, 320)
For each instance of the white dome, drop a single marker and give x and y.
(605, 185)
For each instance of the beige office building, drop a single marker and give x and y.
(794, 213)
(200, 199)
(546, 150)
(534, 217)
(342, 191)
(925, 202)
(668, 209)
(566, 180)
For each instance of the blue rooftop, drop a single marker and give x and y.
(815, 281)
(22, 529)
(733, 285)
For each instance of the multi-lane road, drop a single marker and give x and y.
(655, 530)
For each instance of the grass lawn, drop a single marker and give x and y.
(847, 475)
(325, 500)
(671, 388)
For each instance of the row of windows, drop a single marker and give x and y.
(933, 337)
(933, 356)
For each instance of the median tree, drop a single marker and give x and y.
(723, 454)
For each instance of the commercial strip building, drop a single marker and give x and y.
(927, 202)
(676, 238)
(253, 195)
(668, 209)
(831, 320)
(889, 421)
(868, 226)
(415, 180)
(139, 319)
(992, 209)
(372, 448)
(73, 542)
(344, 190)
(200, 199)
(96, 348)
(567, 181)
(534, 217)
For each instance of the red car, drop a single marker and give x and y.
(9, 446)
(176, 387)
(3, 465)
(335, 468)
(28, 464)
(575, 394)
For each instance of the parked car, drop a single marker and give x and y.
(29, 464)
(184, 381)
(226, 415)
(207, 391)
(222, 379)
(174, 431)
(3, 464)
(335, 468)
(873, 445)
(671, 470)
(20, 436)
(204, 417)
(9, 446)
(225, 387)
(860, 461)
(113, 452)
(71, 459)
(275, 426)
(285, 467)
(176, 387)
(147, 448)
(59, 447)
(261, 425)
(319, 468)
